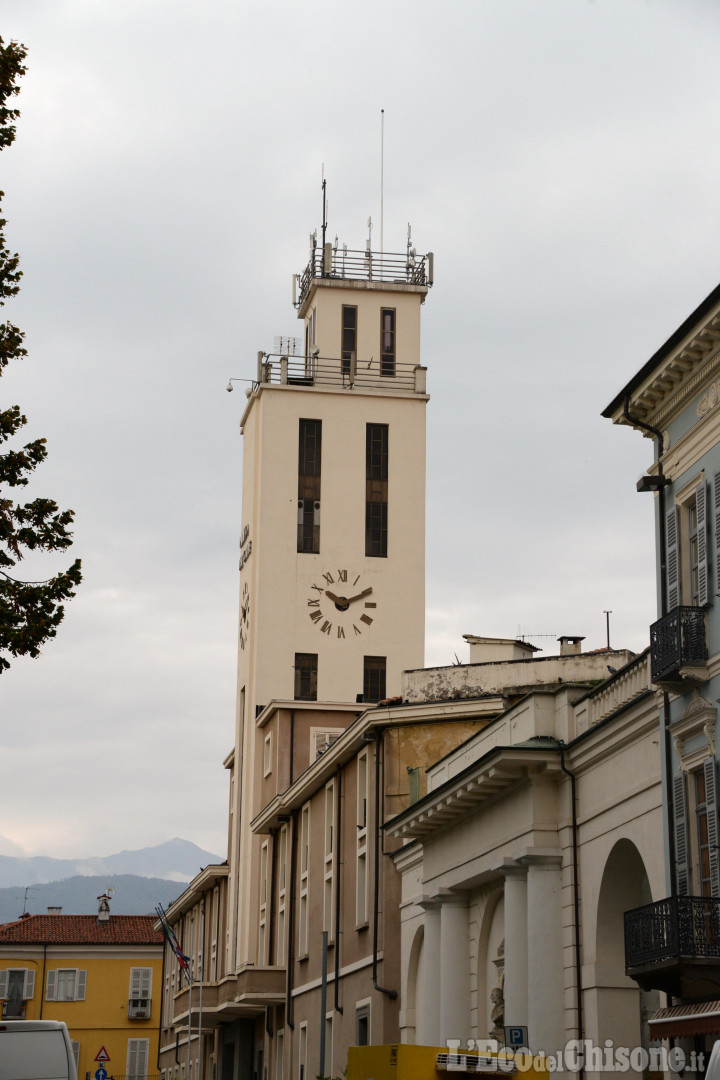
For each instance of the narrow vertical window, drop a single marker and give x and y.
(329, 871)
(349, 337)
(282, 893)
(361, 857)
(304, 872)
(374, 668)
(387, 341)
(309, 455)
(262, 927)
(376, 490)
(362, 1025)
(302, 1052)
(306, 669)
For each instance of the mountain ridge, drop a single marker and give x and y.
(174, 860)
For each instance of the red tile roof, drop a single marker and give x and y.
(82, 930)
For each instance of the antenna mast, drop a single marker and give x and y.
(324, 216)
(382, 175)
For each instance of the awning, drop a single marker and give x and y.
(699, 1019)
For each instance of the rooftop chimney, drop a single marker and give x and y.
(54, 911)
(570, 644)
(103, 908)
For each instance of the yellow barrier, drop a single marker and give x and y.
(402, 1061)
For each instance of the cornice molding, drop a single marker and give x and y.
(678, 376)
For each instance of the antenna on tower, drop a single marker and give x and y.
(382, 175)
(324, 210)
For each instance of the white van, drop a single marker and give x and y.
(36, 1050)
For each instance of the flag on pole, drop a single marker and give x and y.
(182, 959)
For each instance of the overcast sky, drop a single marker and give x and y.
(561, 159)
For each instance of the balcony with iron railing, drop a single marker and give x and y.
(342, 264)
(314, 370)
(674, 945)
(678, 646)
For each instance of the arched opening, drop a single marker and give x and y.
(621, 1008)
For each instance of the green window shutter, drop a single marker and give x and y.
(29, 986)
(710, 770)
(80, 984)
(3, 984)
(672, 555)
(701, 509)
(681, 835)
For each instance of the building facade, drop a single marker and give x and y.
(533, 837)
(101, 974)
(332, 568)
(673, 945)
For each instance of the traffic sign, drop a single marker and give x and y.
(101, 1074)
(516, 1037)
(102, 1055)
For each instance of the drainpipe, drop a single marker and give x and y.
(576, 906)
(392, 994)
(657, 434)
(338, 824)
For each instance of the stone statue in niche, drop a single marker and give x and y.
(497, 998)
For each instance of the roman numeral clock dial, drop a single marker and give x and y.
(340, 605)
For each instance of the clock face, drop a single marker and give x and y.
(244, 615)
(340, 605)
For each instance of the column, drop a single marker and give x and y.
(546, 1011)
(427, 1031)
(516, 945)
(454, 969)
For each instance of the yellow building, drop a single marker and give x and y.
(101, 974)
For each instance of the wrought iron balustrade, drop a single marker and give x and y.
(672, 930)
(676, 640)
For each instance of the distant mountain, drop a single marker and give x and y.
(175, 860)
(132, 895)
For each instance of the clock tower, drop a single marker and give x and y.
(332, 547)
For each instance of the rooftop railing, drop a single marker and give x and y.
(343, 264)
(352, 374)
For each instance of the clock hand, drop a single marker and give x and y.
(359, 596)
(335, 599)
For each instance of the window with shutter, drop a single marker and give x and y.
(137, 1059)
(710, 776)
(681, 835)
(51, 985)
(687, 549)
(12, 991)
(140, 993)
